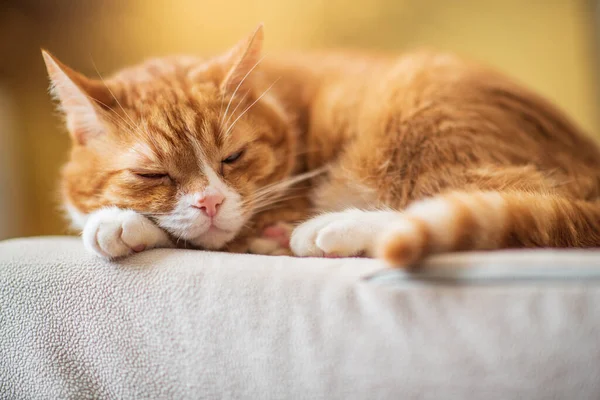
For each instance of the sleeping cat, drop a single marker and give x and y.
(365, 154)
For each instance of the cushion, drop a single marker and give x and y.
(186, 324)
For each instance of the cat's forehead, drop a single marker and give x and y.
(168, 95)
(176, 109)
(154, 70)
(161, 82)
(180, 139)
(182, 127)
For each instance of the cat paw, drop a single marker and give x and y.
(348, 233)
(113, 233)
(275, 240)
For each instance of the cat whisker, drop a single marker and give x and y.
(256, 201)
(273, 195)
(237, 88)
(285, 184)
(134, 125)
(270, 205)
(250, 106)
(292, 193)
(237, 106)
(291, 180)
(112, 113)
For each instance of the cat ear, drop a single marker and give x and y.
(242, 59)
(80, 99)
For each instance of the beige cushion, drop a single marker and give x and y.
(175, 324)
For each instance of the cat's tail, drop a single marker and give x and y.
(489, 220)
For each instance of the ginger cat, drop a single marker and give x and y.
(381, 156)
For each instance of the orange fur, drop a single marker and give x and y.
(422, 134)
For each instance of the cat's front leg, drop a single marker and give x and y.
(113, 232)
(344, 234)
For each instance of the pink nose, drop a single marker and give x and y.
(209, 202)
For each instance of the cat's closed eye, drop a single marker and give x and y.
(232, 157)
(152, 175)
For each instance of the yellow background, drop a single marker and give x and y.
(549, 45)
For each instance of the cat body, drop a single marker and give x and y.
(394, 157)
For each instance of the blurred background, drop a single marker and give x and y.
(548, 44)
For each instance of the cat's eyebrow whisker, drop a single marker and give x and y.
(250, 106)
(237, 106)
(111, 113)
(134, 125)
(120, 125)
(236, 89)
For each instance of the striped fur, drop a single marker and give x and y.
(425, 153)
(491, 220)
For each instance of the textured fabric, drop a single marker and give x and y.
(175, 324)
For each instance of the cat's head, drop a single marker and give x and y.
(188, 142)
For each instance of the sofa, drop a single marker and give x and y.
(185, 324)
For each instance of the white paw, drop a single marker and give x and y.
(112, 233)
(343, 234)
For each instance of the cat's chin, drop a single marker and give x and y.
(213, 239)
